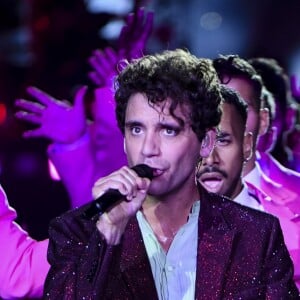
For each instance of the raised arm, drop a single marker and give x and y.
(131, 44)
(66, 127)
(23, 260)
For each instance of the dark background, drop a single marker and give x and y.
(46, 43)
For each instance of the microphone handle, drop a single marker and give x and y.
(112, 196)
(100, 205)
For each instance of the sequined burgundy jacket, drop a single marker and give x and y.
(241, 255)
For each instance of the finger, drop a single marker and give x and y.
(143, 183)
(123, 180)
(40, 95)
(29, 106)
(28, 117)
(95, 78)
(112, 183)
(138, 19)
(124, 37)
(137, 24)
(101, 64)
(79, 98)
(107, 60)
(35, 133)
(148, 26)
(130, 20)
(111, 55)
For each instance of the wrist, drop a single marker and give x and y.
(64, 147)
(111, 232)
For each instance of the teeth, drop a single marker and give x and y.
(212, 185)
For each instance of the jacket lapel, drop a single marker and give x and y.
(135, 266)
(215, 242)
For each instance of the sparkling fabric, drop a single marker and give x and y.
(241, 255)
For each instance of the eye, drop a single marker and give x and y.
(223, 141)
(136, 130)
(170, 131)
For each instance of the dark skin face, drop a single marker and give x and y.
(221, 171)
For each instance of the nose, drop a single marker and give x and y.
(151, 145)
(212, 159)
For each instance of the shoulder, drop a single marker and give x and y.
(237, 215)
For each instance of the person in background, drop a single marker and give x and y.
(91, 146)
(166, 106)
(283, 201)
(23, 261)
(277, 82)
(221, 172)
(293, 137)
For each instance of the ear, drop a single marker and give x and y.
(208, 142)
(248, 146)
(124, 146)
(264, 117)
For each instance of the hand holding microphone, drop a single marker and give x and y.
(124, 186)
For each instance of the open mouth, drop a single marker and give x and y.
(211, 182)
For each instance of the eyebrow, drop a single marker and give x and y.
(222, 134)
(133, 123)
(163, 124)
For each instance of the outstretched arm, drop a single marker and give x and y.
(23, 261)
(66, 127)
(56, 120)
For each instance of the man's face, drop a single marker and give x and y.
(221, 171)
(243, 87)
(155, 138)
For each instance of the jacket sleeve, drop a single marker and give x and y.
(278, 268)
(80, 259)
(23, 263)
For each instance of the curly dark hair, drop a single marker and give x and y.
(176, 75)
(229, 66)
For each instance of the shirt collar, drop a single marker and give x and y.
(247, 199)
(253, 176)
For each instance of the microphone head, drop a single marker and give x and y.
(143, 171)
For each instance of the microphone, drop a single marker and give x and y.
(112, 196)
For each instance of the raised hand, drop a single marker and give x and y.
(134, 188)
(135, 34)
(131, 44)
(56, 120)
(104, 64)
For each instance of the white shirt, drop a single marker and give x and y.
(247, 199)
(174, 272)
(253, 176)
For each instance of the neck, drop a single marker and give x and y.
(167, 214)
(249, 165)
